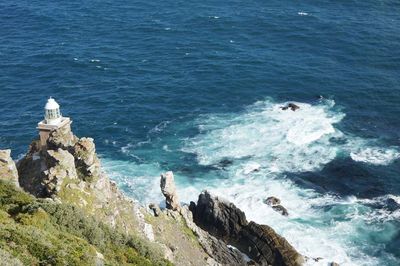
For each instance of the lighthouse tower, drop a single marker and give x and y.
(53, 120)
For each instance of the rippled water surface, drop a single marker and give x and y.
(196, 87)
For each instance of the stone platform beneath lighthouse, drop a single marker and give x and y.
(46, 129)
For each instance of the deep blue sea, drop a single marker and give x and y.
(196, 87)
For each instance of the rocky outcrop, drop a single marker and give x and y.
(62, 138)
(260, 242)
(168, 189)
(272, 201)
(282, 210)
(220, 218)
(86, 159)
(68, 170)
(60, 165)
(275, 204)
(291, 106)
(8, 170)
(217, 250)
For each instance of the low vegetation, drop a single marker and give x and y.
(41, 232)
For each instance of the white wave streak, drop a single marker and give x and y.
(282, 140)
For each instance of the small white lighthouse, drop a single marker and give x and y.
(53, 120)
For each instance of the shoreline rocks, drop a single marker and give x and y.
(275, 203)
(261, 243)
(290, 106)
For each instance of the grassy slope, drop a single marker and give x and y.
(41, 232)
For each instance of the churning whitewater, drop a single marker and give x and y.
(250, 155)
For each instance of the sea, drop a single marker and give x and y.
(196, 87)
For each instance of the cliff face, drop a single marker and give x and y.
(8, 171)
(259, 242)
(69, 172)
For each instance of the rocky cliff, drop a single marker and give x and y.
(211, 232)
(8, 171)
(225, 221)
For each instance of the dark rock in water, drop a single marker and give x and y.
(291, 106)
(260, 242)
(272, 201)
(334, 264)
(282, 210)
(225, 163)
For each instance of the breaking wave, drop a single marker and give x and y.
(249, 156)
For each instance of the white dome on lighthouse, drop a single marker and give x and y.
(51, 104)
(52, 114)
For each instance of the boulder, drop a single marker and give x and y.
(272, 201)
(168, 189)
(290, 106)
(282, 210)
(8, 170)
(225, 221)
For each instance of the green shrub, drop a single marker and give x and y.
(41, 232)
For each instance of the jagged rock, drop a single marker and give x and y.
(260, 242)
(42, 172)
(291, 106)
(61, 138)
(60, 165)
(220, 218)
(8, 170)
(265, 245)
(168, 189)
(272, 201)
(215, 248)
(282, 210)
(334, 264)
(155, 208)
(30, 170)
(87, 163)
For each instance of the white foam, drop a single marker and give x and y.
(301, 13)
(263, 143)
(281, 140)
(375, 155)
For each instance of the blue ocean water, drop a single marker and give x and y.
(195, 87)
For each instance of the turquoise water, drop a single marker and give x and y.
(196, 88)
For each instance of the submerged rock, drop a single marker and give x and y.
(290, 106)
(272, 201)
(261, 243)
(168, 189)
(282, 210)
(8, 170)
